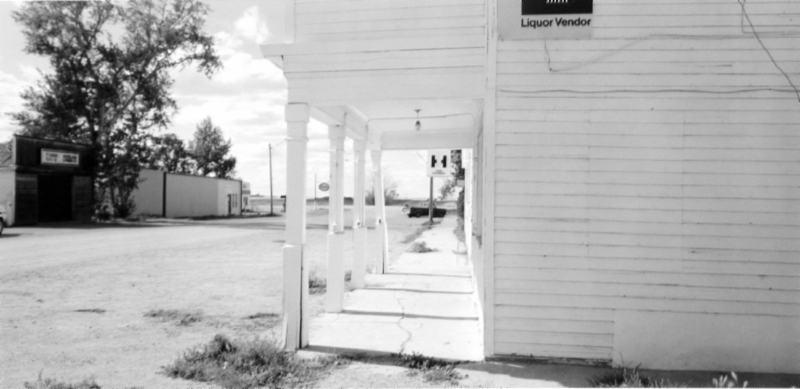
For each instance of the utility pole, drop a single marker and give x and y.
(271, 210)
(315, 191)
(430, 205)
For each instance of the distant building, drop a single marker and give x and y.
(245, 196)
(45, 180)
(183, 195)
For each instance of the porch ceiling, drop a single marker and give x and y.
(390, 125)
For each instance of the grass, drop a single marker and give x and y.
(179, 317)
(243, 365)
(624, 377)
(432, 369)
(420, 247)
(319, 285)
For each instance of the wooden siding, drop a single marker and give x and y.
(350, 50)
(654, 167)
(347, 20)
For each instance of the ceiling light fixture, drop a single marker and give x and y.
(417, 125)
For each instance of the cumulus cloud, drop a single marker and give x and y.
(251, 26)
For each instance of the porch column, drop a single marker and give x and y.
(359, 215)
(295, 274)
(335, 286)
(381, 228)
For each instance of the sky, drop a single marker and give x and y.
(245, 99)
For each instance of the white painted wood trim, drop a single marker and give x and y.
(334, 297)
(458, 138)
(380, 211)
(295, 281)
(489, 124)
(359, 215)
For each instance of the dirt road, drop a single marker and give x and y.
(73, 300)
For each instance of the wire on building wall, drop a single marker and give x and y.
(599, 58)
(766, 50)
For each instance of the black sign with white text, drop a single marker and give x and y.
(545, 19)
(556, 7)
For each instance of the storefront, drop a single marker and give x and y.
(45, 181)
(636, 164)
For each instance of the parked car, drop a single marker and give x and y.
(3, 219)
(422, 210)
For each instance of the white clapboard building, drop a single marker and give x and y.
(633, 166)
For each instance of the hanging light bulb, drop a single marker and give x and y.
(417, 125)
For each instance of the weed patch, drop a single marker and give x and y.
(420, 247)
(49, 383)
(625, 377)
(179, 317)
(319, 285)
(728, 381)
(90, 310)
(262, 315)
(432, 369)
(236, 364)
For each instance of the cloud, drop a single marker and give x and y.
(12, 85)
(251, 26)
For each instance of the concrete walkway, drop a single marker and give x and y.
(424, 304)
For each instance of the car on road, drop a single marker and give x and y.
(422, 210)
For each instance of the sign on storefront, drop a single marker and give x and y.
(545, 19)
(57, 157)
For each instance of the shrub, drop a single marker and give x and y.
(235, 364)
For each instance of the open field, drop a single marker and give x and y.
(118, 302)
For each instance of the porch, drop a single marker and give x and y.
(424, 303)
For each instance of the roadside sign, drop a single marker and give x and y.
(323, 186)
(439, 163)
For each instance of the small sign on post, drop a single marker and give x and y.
(323, 186)
(439, 164)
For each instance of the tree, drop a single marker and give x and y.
(389, 191)
(169, 153)
(210, 151)
(110, 81)
(458, 174)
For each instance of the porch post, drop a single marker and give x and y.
(359, 216)
(295, 274)
(335, 285)
(380, 211)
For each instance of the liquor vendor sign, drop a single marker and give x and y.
(544, 19)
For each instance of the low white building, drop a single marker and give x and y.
(635, 173)
(182, 195)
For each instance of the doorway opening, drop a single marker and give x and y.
(55, 197)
